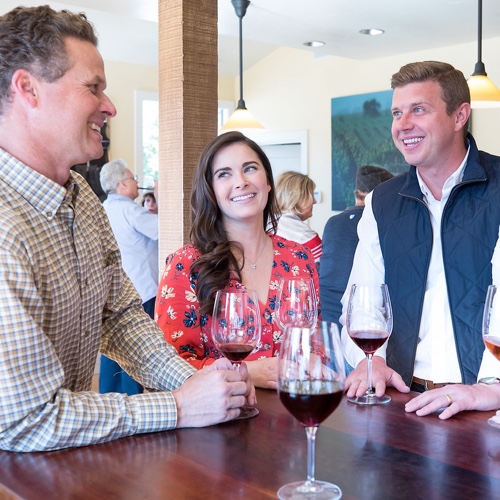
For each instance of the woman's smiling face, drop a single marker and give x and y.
(240, 183)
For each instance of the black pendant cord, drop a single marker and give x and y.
(241, 102)
(479, 68)
(479, 29)
(240, 7)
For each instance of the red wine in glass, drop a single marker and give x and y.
(369, 324)
(309, 406)
(236, 353)
(369, 341)
(236, 329)
(311, 378)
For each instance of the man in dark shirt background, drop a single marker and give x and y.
(340, 239)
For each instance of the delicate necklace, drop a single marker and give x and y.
(254, 264)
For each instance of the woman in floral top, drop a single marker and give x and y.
(233, 245)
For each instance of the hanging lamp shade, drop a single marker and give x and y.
(483, 92)
(241, 118)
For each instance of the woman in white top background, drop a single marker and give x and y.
(295, 197)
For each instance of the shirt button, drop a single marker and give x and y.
(49, 214)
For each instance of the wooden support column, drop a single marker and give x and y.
(188, 109)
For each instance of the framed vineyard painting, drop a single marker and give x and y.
(361, 135)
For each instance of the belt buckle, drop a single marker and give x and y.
(428, 385)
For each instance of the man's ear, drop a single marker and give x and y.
(462, 115)
(25, 85)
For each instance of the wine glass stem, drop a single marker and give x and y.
(370, 375)
(311, 445)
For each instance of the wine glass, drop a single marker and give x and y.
(297, 302)
(491, 331)
(369, 324)
(311, 377)
(236, 329)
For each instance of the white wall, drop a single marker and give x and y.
(123, 80)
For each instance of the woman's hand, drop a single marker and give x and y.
(264, 372)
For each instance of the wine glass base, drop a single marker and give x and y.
(317, 490)
(247, 412)
(370, 400)
(494, 421)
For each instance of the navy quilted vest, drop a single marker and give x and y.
(469, 232)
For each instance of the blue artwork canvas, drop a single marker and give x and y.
(361, 135)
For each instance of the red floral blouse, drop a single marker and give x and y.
(177, 306)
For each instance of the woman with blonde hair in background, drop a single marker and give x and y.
(295, 197)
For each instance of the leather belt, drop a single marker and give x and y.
(427, 385)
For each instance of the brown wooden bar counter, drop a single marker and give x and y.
(371, 453)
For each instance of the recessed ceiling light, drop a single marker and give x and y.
(314, 43)
(372, 31)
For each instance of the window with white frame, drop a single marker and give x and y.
(146, 133)
(146, 137)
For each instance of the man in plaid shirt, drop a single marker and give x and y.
(63, 294)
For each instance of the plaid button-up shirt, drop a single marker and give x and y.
(64, 296)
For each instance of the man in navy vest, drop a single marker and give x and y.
(430, 235)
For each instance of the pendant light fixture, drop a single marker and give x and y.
(241, 118)
(483, 92)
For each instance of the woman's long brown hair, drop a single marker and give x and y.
(208, 234)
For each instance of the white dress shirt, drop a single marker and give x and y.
(436, 357)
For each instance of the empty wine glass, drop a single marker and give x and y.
(297, 302)
(369, 324)
(491, 331)
(311, 377)
(236, 329)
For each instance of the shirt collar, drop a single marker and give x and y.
(454, 179)
(116, 196)
(43, 194)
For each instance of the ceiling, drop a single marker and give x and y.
(128, 28)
